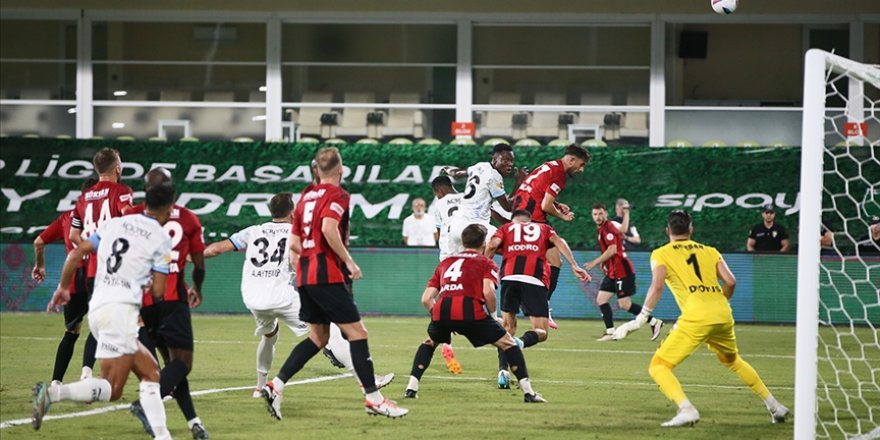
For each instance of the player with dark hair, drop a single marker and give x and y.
(525, 277)
(485, 184)
(620, 276)
(74, 311)
(691, 271)
(168, 323)
(466, 304)
(102, 201)
(324, 268)
(538, 192)
(132, 251)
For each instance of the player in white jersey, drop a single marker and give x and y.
(266, 287)
(447, 203)
(132, 251)
(485, 184)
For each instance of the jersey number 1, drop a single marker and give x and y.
(693, 260)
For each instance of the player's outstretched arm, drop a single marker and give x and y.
(492, 247)
(428, 298)
(727, 276)
(455, 173)
(609, 252)
(330, 230)
(62, 292)
(489, 295)
(220, 247)
(565, 250)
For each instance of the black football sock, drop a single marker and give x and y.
(502, 361)
(422, 360)
(63, 355)
(554, 279)
(147, 340)
(517, 362)
(529, 338)
(635, 309)
(185, 400)
(607, 315)
(298, 357)
(363, 364)
(89, 352)
(171, 376)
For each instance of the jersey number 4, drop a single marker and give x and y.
(262, 246)
(453, 272)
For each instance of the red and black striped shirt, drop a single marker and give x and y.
(524, 249)
(318, 264)
(459, 278)
(618, 266)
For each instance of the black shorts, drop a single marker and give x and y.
(531, 297)
(622, 287)
(479, 333)
(169, 324)
(326, 303)
(78, 306)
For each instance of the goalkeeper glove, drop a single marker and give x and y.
(643, 317)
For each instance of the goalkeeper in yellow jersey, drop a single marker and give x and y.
(691, 270)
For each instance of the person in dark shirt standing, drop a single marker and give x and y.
(631, 234)
(768, 236)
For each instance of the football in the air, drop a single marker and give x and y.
(724, 6)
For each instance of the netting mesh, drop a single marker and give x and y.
(849, 310)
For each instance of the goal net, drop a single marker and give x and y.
(837, 373)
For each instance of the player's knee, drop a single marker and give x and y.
(542, 334)
(658, 365)
(728, 359)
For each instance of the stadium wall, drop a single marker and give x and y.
(394, 279)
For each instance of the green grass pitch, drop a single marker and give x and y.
(595, 389)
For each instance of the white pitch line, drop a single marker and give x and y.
(106, 409)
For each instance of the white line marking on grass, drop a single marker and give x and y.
(106, 409)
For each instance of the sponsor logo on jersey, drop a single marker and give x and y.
(136, 230)
(337, 208)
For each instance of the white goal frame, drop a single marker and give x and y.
(817, 62)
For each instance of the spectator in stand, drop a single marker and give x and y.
(768, 236)
(631, 235)
(870, 244)
(826, 240)
(418, 228)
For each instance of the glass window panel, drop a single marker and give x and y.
(562, 46)
(42, 120)
(431, 84)
(146, 41)
(577, 86)
(38, 39)
(177, 82)
(371, 43)
(872, 43)
(29, 80)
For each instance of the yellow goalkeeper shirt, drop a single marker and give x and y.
(692, 276)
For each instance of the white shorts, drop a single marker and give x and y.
(456, 226)
(268, 319)
(115, 327)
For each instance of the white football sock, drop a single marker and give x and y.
(653, 321)
(375, 397)
(154, 409)
(278, 384)
(413, 384)
(771, 402)
(526, 386)
(265, 354)
(193, 422)
(685, 403)
(86, 373)
(86, 390)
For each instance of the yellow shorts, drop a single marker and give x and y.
(686, 337)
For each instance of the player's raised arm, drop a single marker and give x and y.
(492, 246)
(727, 276)
(565, 250)
(330, 230)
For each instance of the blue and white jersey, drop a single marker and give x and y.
(129, 249)
(266, 272)
(484, 184)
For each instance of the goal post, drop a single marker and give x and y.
(853, 167)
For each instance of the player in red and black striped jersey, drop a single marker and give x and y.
(466, 284)
(525, 277)
(620, 276)
(538, 192)
(319, 237)
(168, 323)
(78, 307)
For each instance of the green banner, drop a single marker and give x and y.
(228, 184)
